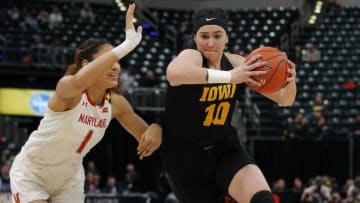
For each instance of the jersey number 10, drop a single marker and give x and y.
(216, 114)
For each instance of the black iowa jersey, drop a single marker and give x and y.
(200, 115)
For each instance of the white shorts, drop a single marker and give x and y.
(45, 183)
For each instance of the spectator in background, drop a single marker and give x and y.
(279, 186)
(86, 13)
(349, 182)
(321, 192)
(149, 80)
(91, 183)
(355, 130)
(296, 130)
(353, 192)
(55, 18)
(111, 186)
(43, 19)
(317, 126)
(91, 167)
(131, 179)
(297, 185)
(297, 55)
(319, 104)
(127, 79)
(14, 15)
(335, 197)
(29, 23)
(316, 122)
(5, 158)
(311, 53)
(5, 179)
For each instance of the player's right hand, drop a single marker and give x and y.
(246, 72)
(131, 34)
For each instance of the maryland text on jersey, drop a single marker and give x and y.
(92, 121)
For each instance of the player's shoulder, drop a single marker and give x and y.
(116, 97)
(235, 59)
(119, 104)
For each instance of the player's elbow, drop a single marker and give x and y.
(287, 102)
(80, 83)
(173, 76)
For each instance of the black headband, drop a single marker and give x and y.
(210, 20)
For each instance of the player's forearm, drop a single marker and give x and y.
(284, 97)
(186, 74)
(91, 72)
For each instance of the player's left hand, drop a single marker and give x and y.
(150, 141)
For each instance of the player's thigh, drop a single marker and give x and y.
(74, 196)
(246, 182)
(72, 192)
(196, 191)
(26, 186)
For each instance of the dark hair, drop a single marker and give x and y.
(86, 51)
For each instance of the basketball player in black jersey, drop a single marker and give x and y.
(201, 151)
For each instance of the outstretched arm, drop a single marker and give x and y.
(73, 85)
(148, 137)
(187, 68)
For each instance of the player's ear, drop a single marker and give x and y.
(227, 39)
(84, 62)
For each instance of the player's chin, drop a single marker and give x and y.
(112, 83)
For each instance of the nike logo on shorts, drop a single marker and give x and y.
(209, 19)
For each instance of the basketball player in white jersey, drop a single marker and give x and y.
(49, 166)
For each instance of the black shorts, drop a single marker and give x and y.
(203, 174)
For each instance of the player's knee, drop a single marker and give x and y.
(262, 197)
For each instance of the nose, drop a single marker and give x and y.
(116, 67)
(211, 42)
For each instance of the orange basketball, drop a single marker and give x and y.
(277, 66)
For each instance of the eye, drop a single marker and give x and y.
(218, 36)
(204, 36)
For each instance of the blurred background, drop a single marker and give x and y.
(309, 152)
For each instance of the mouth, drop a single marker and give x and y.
(210, 52)
(114, 76)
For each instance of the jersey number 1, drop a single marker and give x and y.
(84, 142)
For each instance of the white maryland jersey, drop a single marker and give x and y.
(64, 138)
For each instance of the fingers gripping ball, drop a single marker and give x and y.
(275, 77)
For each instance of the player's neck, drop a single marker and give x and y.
(96, 95)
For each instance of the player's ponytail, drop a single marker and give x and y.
(71, 69)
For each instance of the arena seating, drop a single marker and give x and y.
(337, 36)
